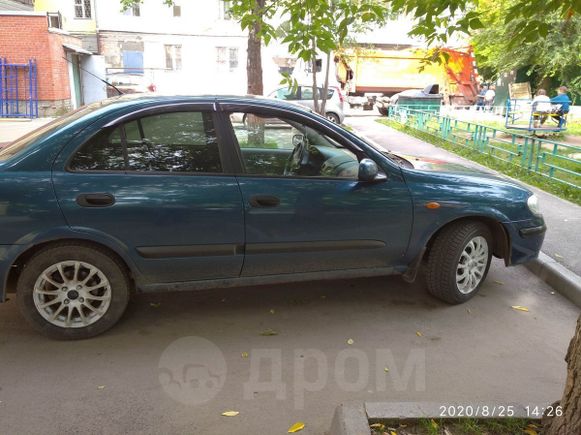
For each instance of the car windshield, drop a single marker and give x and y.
(23, 142)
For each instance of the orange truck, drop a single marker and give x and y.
(370, 74)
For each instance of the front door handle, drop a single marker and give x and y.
(264, 201)
(95, 199)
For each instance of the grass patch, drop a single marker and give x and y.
(563, 191)
(460, 426)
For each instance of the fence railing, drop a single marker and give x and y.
(552, 159)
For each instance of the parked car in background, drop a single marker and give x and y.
(428, 98)
(303, 95)
(177, 193)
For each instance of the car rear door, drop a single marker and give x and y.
(157, 185)
(321, 219)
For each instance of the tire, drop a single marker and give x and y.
(93, 279)
(333, 117)
(449, 260)
(382, 111)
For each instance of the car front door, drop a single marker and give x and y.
(305, 208)
(157, 185)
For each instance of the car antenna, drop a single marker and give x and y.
(97, 77)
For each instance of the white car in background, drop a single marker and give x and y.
(303, 95)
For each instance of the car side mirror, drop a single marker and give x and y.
(368, 170)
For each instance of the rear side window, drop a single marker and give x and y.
(167, 142)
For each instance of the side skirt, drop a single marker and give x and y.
(268, 279)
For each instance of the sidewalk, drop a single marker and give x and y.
(563, 218)
(11, 129)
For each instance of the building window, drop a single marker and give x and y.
(173, 57)
(227, 58)
(82, 8)
(224, 12)
(54, 20)
(177, 10)
(133, 11)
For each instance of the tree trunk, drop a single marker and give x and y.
(254, 59)
(314, 72)
(326, 85)
(255, 85)
(570, 421)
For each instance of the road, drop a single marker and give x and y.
(140, 377)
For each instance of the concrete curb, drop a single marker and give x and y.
(557, 276)
(354, 418)
(350, 419)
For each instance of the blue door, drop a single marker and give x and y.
(306, 210)
(156, 186)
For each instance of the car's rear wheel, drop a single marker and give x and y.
(72, 291)
(458, 261)
(333, 117)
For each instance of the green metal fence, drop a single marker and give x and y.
(551, 159)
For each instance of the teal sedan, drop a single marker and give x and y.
(183, 193)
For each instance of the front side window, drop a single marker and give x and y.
(283, 147)
(82, 8)
(167, 142)
(307, 93)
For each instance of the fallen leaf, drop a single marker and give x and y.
(377, 426)
(498, 282)
(244, 354)
(230, 413)
(559, 256)
(552, 293)
(350, 341)
(385, 369)
(469, 310)
(272, 311)
(154, 304)
(530, 431)
(296, 427)
(419, 334)
(101, 387)
(434, 424)
(269, 332)
(392, 432)
(520, 308)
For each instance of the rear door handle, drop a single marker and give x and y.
(264, 201)
(95, 199)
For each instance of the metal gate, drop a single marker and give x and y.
(18, 89)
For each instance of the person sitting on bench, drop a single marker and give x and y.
(564, 101)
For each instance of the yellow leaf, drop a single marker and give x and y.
(350, 341)
(101, 387)
(155, 304)
(377, 426)
(434, 424)
(498, 282)
(530, 432)
(296, 427)
(386, 369)
(244, 354)
(269, 332)
(230, 413)
(419, 334)
(520, 308)
(392, 432)
(272, 311)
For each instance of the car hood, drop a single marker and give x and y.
(438, 165)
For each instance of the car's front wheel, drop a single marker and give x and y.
(333, 117)
(72, 291)
(458, 261)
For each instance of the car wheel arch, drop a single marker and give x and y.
(501, 238)
(23, 257)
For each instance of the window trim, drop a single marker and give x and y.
(120, 122)
(230, 108)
